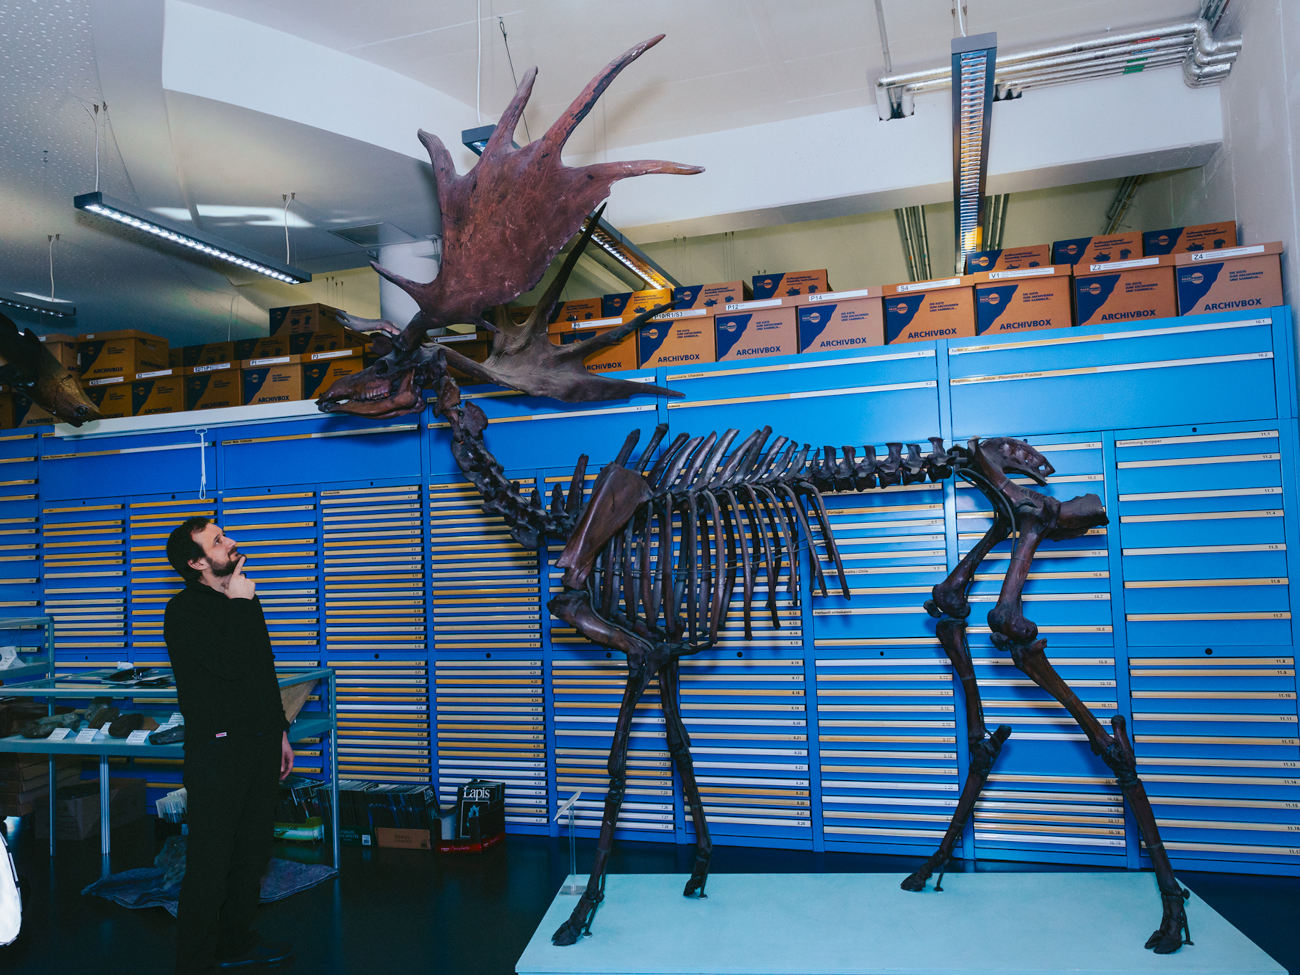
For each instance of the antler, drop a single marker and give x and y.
(506, 219)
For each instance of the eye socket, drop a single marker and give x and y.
(381, 367)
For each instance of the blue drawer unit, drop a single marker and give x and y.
(320, 449)
(887, 733)
(1204, 539)
(20, 531)
(85, 574)
(150, 521)
(490, 723)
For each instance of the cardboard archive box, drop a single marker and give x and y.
(1023, 299)
(110, 394)
(1229, 280)
(294, 319)
(76, 808)
(616, 358)
(1082, 251)
(788, 284)
(207, 353)
(261, 347)
(644, 301)
(1009, 258)
(213, 386)
(841, 320)
(1125, 291)
(158, 391)
(676, 338)
(921, 310)
(64, 349)
(762, 327)
(577, 310)
(320, 370)
(1185, 240)
(710, 297)
(122, 353)
(273, 379)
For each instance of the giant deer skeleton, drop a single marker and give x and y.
(740, 509)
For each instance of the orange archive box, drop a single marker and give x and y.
(213, 386)
(841, 320)
(321, 370)
(1022, 299)
(711, 297)
(158, 391)
(110, 394)
(22, 411)
(676, 338)
(1125, 291)
(262, 347)
(615, 358)
(1010, 258)
(207, 353)
(788, 284)
(577, 310)
(304, 318)
(922, 310)
(1185, 240)
(1082, 251)
(1229, 280)
(271, 379)
(644, 301)
(122, 353)
(750, 329)
(63, 348)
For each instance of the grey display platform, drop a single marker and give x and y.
(863, 924)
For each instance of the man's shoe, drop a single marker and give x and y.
(263, 954)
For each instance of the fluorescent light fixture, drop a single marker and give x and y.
(39, 304)
(628, 256)
(201, 243)
(973, 60)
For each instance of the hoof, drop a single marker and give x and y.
(915, 882)
(695, 886)
(1163, 943)
(1173, 932)
(566, 934)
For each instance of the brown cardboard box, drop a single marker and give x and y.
(121, 353)
(710, 297)
(321, 370)
(577, 310)
(110, 394)
(6, 409)
(923, 310)
(28, 413)
(158, 391)
(176, 357)
(207, 353)
(213, 386)
(752, 329)
(643, 301)
(304, 318)
(616, 358)
(328, 339)
(63, 348)
(273, 379)
(261, 347)
(1009, 259)
(787, 284)
(841, 320)
(397, 838)
(1185, 240)
(76, 808)
(1125, 291)
(472, 345)
(1023, 299)
(1232, 279)
(1082, 251)
(676, 338)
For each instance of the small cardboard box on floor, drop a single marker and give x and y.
(1185, 240)
(158, 391)
(1229, 280)
(76, 808)
(676, 338)
(841, 320)
(762, 327)
(616, 358)
(1125, 291)
(1082, 251)
(1009, 258)
(214, 386)
(922, 310)
(122, 353)
(1022, 299)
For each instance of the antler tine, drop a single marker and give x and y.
(563, 126)
(503, 136)
(550, 297)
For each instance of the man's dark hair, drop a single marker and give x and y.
(181, 546)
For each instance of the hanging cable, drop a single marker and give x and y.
(201, 433)
(505, 38)
(93, 113)
(478, 71)
(287, 198)
(52, 238)
(959, 10)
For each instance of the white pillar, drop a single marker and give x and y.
(417, 260)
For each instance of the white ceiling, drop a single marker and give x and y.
(725, 64)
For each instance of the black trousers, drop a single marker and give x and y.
(231, 784)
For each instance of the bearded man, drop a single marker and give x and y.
(236, 748)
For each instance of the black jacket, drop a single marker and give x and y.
(225, 671)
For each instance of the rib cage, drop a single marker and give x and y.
(739, 513)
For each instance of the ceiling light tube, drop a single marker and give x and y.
(973, 60)
(203, 243)
(38, 304)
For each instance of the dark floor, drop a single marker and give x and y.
(398, 910)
